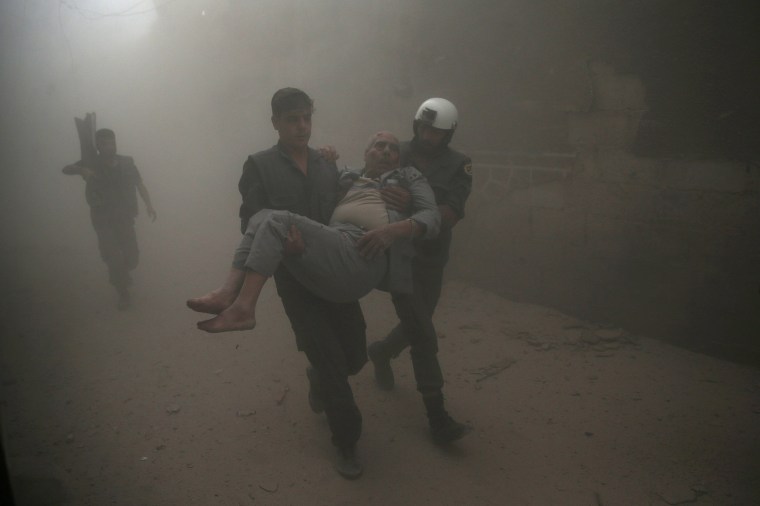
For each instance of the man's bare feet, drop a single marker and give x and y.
(213, 302)
(232, 318)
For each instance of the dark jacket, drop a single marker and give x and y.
(448, 175)
(114, 189)
(271, 180)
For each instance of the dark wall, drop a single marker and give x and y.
(522, 64)
(649, 220)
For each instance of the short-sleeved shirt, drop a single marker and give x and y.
(362, 206)
(113, 189)
(424, 211)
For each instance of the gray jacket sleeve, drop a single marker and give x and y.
(398, 279)
(424, 208)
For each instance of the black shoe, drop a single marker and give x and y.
(382, 363)
(347, 464)
(316, 402)
(446, 430)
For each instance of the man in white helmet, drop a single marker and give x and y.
(449, 173)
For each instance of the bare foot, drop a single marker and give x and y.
(213, 302)
(232, 318)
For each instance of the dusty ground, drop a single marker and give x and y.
(138, 408)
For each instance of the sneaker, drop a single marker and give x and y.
(316, 402)
(382, 363)
(446, 430)
(347, 464)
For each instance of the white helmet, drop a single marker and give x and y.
(438, 113)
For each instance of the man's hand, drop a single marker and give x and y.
(75, 169)
(294, 244)
(86, 173)
(448, 217)
(329, 153)
(152, 213)
(396, 198)
(375, 242)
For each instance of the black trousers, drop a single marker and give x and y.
(415, 313)
(117, 242)
(333, 337)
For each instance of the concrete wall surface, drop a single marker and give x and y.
(633, 198)
(665, 247)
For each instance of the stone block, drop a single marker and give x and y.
(690, 175)
(616, 92)
(558, 228)
(603, 129)
(542, 196)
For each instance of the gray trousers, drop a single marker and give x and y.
(117, 243)
(330, 267)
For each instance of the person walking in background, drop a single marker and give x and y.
(112, 183)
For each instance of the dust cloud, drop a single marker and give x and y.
(186, 88)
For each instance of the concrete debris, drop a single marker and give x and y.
(601, 340)
(679, 494)
(610, 334)
(493, 369)
(271, 488)
(284, 394)
(589, 337)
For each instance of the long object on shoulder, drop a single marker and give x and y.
(86, 132)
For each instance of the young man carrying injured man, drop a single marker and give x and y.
(341, 262)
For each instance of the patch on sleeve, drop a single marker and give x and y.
(468, 169)
(411, 174)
